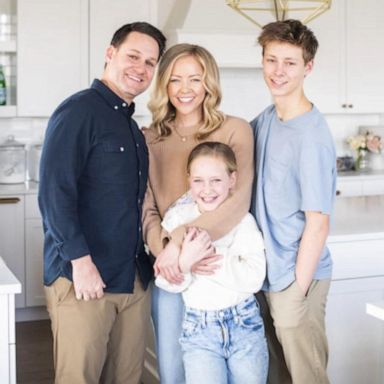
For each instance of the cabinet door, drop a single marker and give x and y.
(365, 55)
(346, 188)
(355, 339)
(104, 20)
(326, 85)
(34, 242)
(52, 44)
(12, 239)
(373, 186)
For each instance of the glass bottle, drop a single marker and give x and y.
(3, 87)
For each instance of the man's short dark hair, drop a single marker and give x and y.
(292, 32)
(142, 27)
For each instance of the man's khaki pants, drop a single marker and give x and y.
(98, 341)
(299, 322)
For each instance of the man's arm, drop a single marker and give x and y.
(66, 148)
(311, 246)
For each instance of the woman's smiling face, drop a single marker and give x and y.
(186, 90)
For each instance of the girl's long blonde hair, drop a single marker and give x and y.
(163, 112)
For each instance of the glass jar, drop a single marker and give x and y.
(12, 161)
(34, 162)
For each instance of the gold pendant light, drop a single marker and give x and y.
(261, 12)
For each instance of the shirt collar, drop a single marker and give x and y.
(116, 102)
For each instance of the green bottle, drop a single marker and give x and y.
(3, 87)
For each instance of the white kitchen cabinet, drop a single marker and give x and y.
(9, 286)
(346, 76)
(34, 243)
(356, 340)
(52, 50)
(12, 238)
(360, 185)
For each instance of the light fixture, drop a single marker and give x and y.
(258, 11)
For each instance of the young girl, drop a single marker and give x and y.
(222, 332)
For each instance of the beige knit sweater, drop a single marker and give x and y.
(168, 181)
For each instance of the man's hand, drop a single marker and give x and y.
(87, 281)
(167, 264)
(197, 245)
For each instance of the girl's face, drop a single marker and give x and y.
(186, 89)
(210, 182)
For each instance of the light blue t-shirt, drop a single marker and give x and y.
(295, 172)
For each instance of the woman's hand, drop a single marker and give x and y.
(197, 245)
(167, 264)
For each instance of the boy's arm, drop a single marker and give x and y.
(311, 247)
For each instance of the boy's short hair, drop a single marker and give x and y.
(292, 32)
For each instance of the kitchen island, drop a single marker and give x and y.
(356, 339)
(9, 286)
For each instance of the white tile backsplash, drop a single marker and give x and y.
(25, 130)
(243, 96)
(343, 126)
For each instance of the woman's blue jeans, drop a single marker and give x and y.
(227, 346)
(167, 316)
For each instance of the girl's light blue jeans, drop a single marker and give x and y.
(227, 346)
(167, 316)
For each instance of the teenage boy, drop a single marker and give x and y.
(93, 177)
(293, 199)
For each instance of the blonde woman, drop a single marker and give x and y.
(185, 112)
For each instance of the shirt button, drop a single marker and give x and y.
(124, 105)
(137, 145)
(137, 256)
(116, 107)
(139, 173)
(139, 229)
(121, 149)
(139, 201)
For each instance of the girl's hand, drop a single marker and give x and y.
(197, 245)
(167, 264)
(207, 266)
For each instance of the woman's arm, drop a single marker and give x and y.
(153, 233)
(243, 265)
(220, 221)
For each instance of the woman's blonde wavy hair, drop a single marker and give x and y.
(163, 112)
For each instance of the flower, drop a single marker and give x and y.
(366, 142)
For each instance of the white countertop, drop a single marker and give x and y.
(8, 281)
(359, 217)
(376, 309)
(360, 175)
(28, 187)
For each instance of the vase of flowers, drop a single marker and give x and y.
(362, 145)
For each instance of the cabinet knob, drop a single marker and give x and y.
(350, 105)
(343, 105)
(338, 193)
(9, 200)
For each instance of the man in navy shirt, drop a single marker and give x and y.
(93, 176)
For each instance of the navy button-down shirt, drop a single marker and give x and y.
(93, 177)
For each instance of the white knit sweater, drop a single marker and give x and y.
(242, 269)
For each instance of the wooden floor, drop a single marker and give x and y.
(34, 362)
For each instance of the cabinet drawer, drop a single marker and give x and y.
(373, 187)
(347, 188)
(32, 207)
(355, 259)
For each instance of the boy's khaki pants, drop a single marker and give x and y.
(98, 341)
(299, 323)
